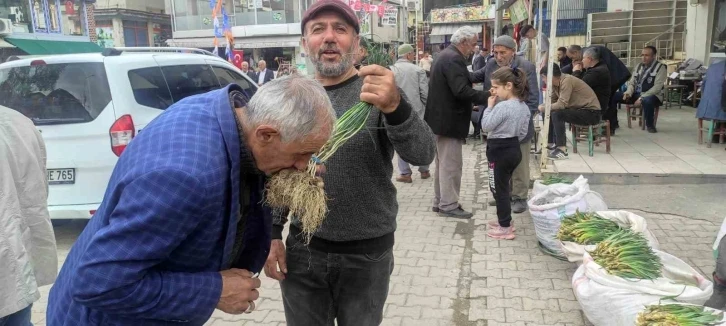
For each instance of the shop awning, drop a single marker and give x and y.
(448, 29)
(37, 47)
(286, 41)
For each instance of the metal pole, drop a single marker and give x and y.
(497, 18)
(548, 96)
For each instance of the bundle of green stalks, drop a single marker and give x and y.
(552, 179)
(627, 254)
(586, 228)
(678, 315)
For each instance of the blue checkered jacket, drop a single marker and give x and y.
(152, 253)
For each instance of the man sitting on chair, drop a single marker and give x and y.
(572, 101)
(646, 86)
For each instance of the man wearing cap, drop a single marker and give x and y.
(342, 274)
(448, 112)
(415, 85)
(504, 56)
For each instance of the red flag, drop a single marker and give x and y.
(69, 8)
(238, 57)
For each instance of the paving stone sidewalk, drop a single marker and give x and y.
(448, 272)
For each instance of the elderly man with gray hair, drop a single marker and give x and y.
(182, 229)
(595, 74)
(415, 85)
(448, 112)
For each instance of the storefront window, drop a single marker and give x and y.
(72, 14)
(19, 14)
(136, 33)
(197, 14)
(718, 35)
(162, 32)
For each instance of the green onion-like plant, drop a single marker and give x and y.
(627, 254)
(678, 315)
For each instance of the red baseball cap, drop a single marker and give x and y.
(331, 5)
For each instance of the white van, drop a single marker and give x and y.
(88, 107)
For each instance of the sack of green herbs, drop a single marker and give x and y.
(550, 181)
(549, 207)
(581, 232)
(677, 314)
(624, 274)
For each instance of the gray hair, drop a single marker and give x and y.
(464, 33)
(296, 104)
(593, 53)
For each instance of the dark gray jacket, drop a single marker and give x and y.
(482, 76)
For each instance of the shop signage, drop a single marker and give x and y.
(462, 14)
(518, 11)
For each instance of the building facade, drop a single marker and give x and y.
(132, 23)
(36, 27)
(270, 29)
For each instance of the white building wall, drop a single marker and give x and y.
(699, 24)
(620, 5)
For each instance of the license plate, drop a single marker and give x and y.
(61, 176)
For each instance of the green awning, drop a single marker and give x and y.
(36, 47)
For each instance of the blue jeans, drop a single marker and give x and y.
(320, 288)
(20, 318)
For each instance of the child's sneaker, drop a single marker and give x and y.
(495, 224)
(501, 233)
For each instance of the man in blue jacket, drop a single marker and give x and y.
(182, 228)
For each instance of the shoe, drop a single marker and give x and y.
(557, 154)
(425, 175)
(474, 136)
(652, 130)
(456, 213)
(404, 178)
(495, 224)
(436, 209)
(519, 206)
(501, 233)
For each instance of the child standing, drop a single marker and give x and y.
(506, 124)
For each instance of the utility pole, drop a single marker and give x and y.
(547, 99)
(498, 16)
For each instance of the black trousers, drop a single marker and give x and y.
(611, 112)
(558, 132)
(503, 155)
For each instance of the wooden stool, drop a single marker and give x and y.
(716, 127)
(670, 90)
(591, 134)
(637, 113)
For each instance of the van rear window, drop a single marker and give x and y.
(56, 93)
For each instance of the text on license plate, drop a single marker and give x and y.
(61, 176)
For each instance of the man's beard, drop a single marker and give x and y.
(505, 63)
(333, 69)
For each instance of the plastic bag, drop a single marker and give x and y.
(720, 236)
(549, 207)
(611, 300)
(574, 251)
(539, 187)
